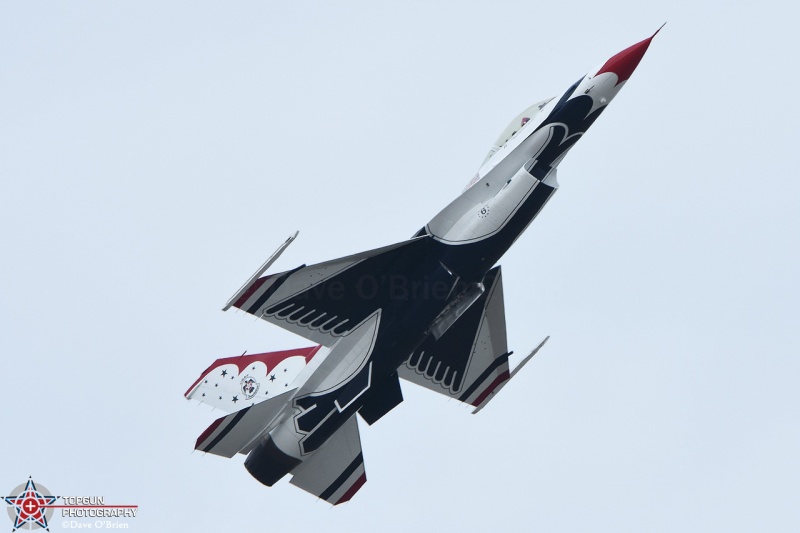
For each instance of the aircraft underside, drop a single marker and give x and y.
(428, 310)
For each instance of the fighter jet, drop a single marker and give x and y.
(428, 310)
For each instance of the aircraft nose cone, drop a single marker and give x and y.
(624, 63)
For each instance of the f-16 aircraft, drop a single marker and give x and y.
(428, 310)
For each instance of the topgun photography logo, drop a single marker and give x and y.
(31, 506)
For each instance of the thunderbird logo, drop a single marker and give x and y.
(249, 387)
(31, 506)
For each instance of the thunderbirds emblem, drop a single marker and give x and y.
(249, 386)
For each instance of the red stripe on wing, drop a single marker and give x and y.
(249, 292)
(352, 490)
(207, 433)
(496, 383)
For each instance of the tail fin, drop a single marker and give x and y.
(235, 382)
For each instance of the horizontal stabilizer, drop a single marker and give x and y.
(235, 432)
(336, 471)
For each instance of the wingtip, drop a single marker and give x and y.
(528, 357)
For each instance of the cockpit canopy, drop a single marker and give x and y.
(514, 126)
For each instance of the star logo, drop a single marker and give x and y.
(30, 507)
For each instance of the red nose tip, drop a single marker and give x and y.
(624, 63)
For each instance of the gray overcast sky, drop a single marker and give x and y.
(153, 154)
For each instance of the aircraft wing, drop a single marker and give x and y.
(470, 361)
(323, 302)
(336, 471)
